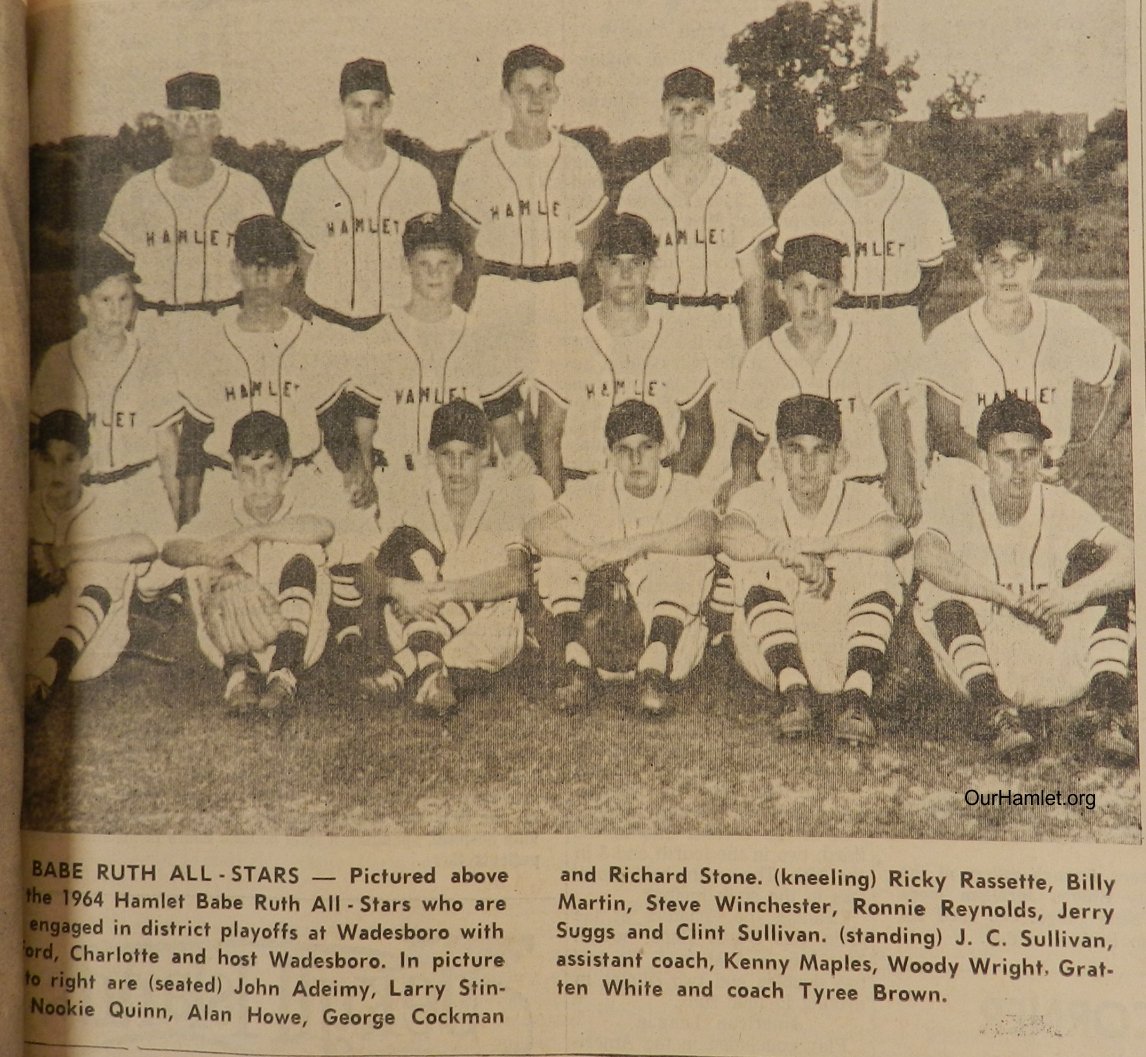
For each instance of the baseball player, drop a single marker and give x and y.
(834, 357)
(1013, 341)
(85, 560)
(713, 227)
(895, 228)
(262, 527)
(816, 584)
(654, 528)
(623, 349)
(350, 206)
(453, 565)
(531, 196)
(1028, 594)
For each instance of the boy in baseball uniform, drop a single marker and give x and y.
(654, 532)
(1027, 597)
(815, 579)
(258, 525)
(453, 565)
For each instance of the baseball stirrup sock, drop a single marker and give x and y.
(959, 632)
(296, 603)
(346, 597)
(92, 606)
(721, 603)
(1112, 639)
(772, 627)
(868, 629)
(664, 635)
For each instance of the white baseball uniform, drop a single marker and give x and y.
(973, 364)
(824, 628)
(352, 220)
(594, 370)
(1025, 556)
(854, 370)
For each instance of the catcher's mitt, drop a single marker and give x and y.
(614, 630)
(45, 577)
(240, 616)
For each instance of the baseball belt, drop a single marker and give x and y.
(878, 300)
(684, 301)
(113, 476)
(163, 307)
(216, 462)
(383, 464)
(541, 273)
(349, 322)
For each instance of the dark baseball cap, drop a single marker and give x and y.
(993, 227)
(435, 230)
(1012, 414)
(626, 233)
(869, 101)
(633, 418)
(265, 240)
(808, 416)
(458, 420)
(689, 83)
(62, 424)
(99, 261)
(260, 432)
(200, 90)
(364, 75)
(529, 57)
(813, 253)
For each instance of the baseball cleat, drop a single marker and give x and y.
(1112, 743)
(1011, 741)
(436, 694)
(654, 693)
(796, 718)
(854, 723)
(241, 695)
(281, 691)
(572, 693)
(385, 687)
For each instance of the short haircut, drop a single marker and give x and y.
(260, 433)
(62, 424)
(996, 226)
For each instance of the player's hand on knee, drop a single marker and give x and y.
(613, 553)
(1051, 603)
(413, 600)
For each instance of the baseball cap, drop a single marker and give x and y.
(199, 90)
(626, 233)
(364, 75)
(689, 83)
(99, 261)
(260, 432)
(813, 253)
(265, 240)
(438, 230)
(62, 424)
(631, 418)
(995, 226)
(1012, 414)
(808, 416)
(868, 101)
(458, 420)
(529, 57)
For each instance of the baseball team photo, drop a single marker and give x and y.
(643, 420)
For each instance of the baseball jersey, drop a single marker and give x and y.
(98, 515)
(854, 371)
(601, 509)
(848, 505)
(528, 205)
(352, 220)
(1025, 556)
(973, 364)
(116, 398)
(702, 234)
(598, 369)
(181, 237)
(889, 235)
(290, 372)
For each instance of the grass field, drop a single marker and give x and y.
(147, 749)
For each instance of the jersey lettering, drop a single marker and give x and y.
(364, 225)
(1038, 395)
(525, 208)
(696, 237)
(186, 236)
(254, 390)
(879, 249)
(621, 390)
(429, 394)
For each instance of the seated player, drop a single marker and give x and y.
(85, 560)
(652, 532)
(454, 564)
(1027, 594)
(816, 583)
(271, 532)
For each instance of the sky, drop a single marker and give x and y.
(279, 60)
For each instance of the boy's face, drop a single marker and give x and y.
(624, 278)
(638, 460)
(434, 271)
(459, 465)
(531, 96)
(364, 113)
(264, 285)
(689, 123)
(863, 145)
(262, 481)
(108, 308)
(809, 299)
(1007, 272)
(809, 463)
(1013, 464)
(192, 131)
(59, 471)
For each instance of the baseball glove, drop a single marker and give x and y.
(240, 616)
(45, 577)
(614, 630)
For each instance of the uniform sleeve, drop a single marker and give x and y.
(883, 372)
(940, 366)
(159, 378)
(752, 404)
(466, 195)
(587, 187)
(579, 501)
(53, 385)
(946, 499)
(628, 202)
(258, 201)
(1095, 351)
(524, 499)
(749, 501)
(692, 378)
(794, 221)
(493, 371)
(559, 374)
(118, 230)
(934, 227)
(300, 212)
(327, 367)
(1079, 517)
(426, 198)
(870, 503)
(754, 221)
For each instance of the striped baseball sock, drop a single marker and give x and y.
(959, 632)
(868, 629)
(772, 625)
(1108, 653)
(346, 596)
(92, 607)
(297, 584)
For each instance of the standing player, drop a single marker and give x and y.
(454, 564)
(1028, 594)
(622, 350)
(532, 197)
(894, 226)
(350, 207)
(1013, 341)
(712, 225)
(817, 588)
(651, 534)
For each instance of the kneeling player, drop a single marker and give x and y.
(84, 562)
(1027, 595)
(259, 528)
(452, 568)
(815, 581)
(650, 531)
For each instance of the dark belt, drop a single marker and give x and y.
(673, 300)
(112, 476)
(868, 478)
(383, 464)
(576, 475)
(214, 462)
(541, 273)
(349, 322)
(163, 307)
(877, 300)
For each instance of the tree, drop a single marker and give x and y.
(959, 101)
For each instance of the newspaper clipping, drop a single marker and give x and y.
(577, 530)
